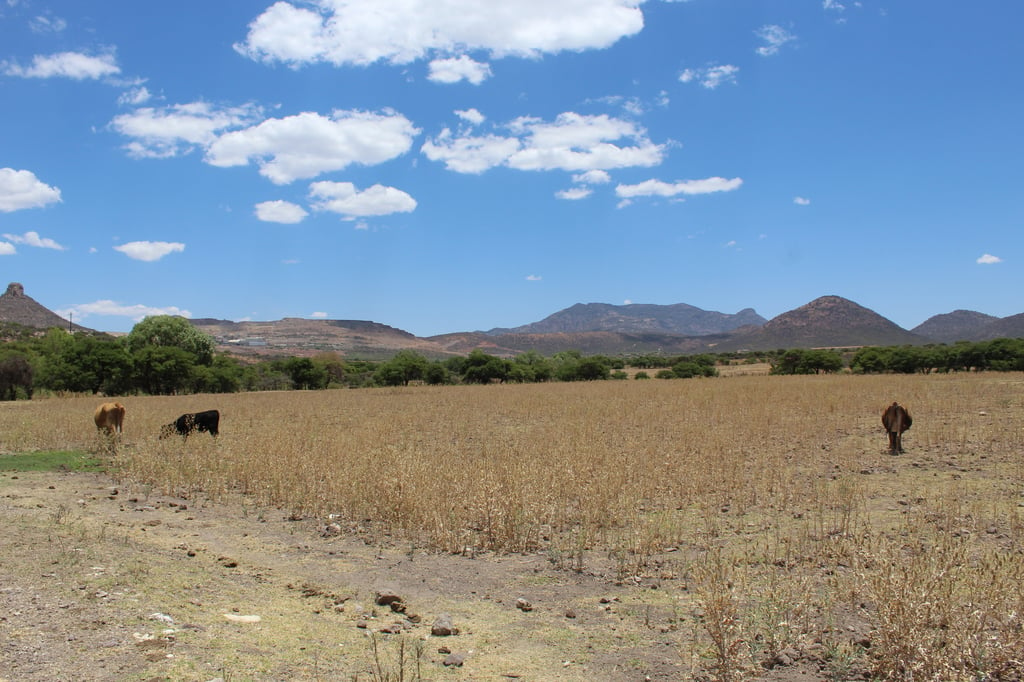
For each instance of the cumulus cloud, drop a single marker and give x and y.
(74, 65)
(308, 144)
(135, 96)
(471, 116)
(574, 193)
(572, 142)
(658, 188)
(801, 201)
(20, 189)
(149, 251)
(319, 316)
(711, 77)
(179, 128)
(279, 211)
(774, 38)
(362, 32)
(592, 177)
(469, 154)
(460, 68)
(136, 312)
(343, 198)
(533, 278)
(33, 239)
(989, 259)
(7, 249)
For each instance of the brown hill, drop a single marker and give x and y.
(826, 322)
(18, 308)
(1011, 327)
(297, 336)
(638, 318)
(959, 325)
(588, 343)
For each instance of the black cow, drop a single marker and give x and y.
(896, 420)
(208, 421)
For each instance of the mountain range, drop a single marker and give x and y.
(826, 322)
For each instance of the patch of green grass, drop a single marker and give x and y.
(51, 460)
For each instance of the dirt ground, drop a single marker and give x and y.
(104, 582)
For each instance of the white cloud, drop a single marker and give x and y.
(650, 188)
(363, 32)
(137, 312)
(533, 278)
(470, 154)
(319, 316)
(460, 68)
(45, 24)
(576, 142)
(774, 38)
(801, 201)
(592, 177)
(7, 249)
(471, 116)
(279, 211)
(179, 128)
(33, 239)
(711, 77)
(74, 65)
(135, 96)
(989, 259)
(20, 189)
(149, 251)
(572, 142)
(575, 193)
(308, 144)
(345, 199)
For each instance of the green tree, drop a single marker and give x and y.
(406, 366)
(481, 368)
(305, 374)
(171, 331)
(163, 370)
(85, 363)
(223, 375)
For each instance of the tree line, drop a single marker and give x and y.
(166, 355)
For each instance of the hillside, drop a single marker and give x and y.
(638, 318)
(18, 308)
(959, 325)
(1006, 327)
(297, 336)
(826, 322)
(588, 343)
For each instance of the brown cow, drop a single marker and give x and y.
(109, 417)
(896, 420)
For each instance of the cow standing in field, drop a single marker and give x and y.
(186, 424)
(109, 417)
(896, 420)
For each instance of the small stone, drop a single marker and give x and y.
(443, 627)
(454, 660)
(570, 613)
(523, 605)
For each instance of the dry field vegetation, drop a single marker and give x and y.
(765, 510)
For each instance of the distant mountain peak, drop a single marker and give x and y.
(19, 308)
(827, 321)
(638, 318)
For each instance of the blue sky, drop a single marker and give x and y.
(455, 165)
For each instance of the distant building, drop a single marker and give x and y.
(254, 342)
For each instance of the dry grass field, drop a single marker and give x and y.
(745, 527)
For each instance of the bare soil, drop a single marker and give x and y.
(99, 581)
